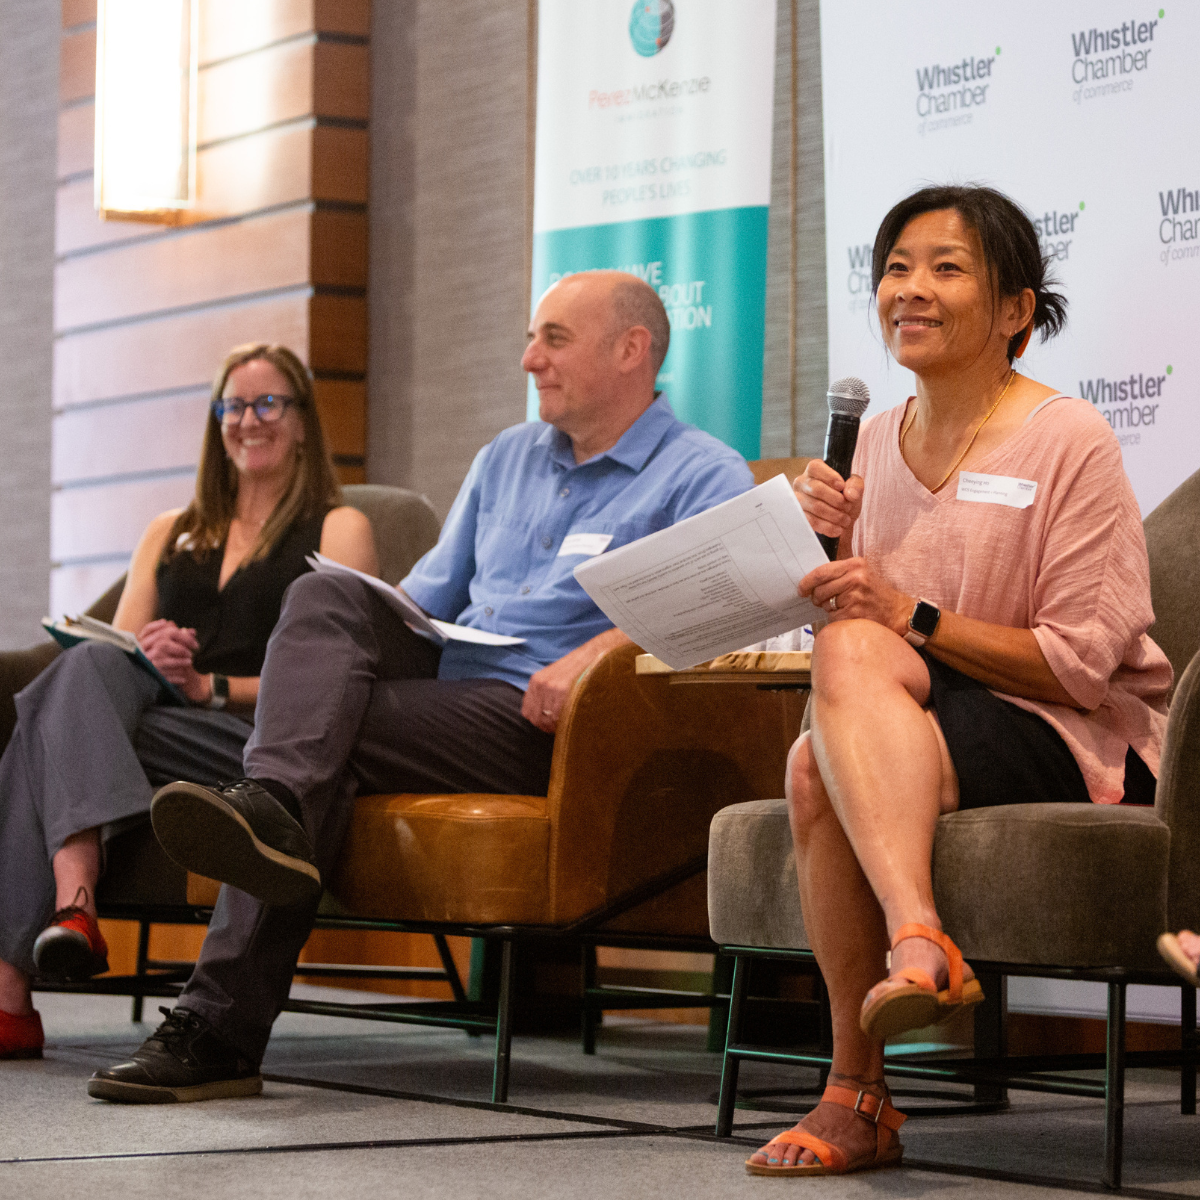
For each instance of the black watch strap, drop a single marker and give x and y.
(220, 691)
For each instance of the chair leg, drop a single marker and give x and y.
(589, 1018)
(143, 953)
(449, 966)
(718, 1015)
(990, 1032)
(504, 1026)
(727, 1097)
(1190, 1045)
(1114, 1087)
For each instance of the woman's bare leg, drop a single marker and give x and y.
(868, 783)
(76, 870)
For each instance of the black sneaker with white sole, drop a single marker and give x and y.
(182, 1060)
(239, 834)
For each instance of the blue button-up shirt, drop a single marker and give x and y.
(497, 564)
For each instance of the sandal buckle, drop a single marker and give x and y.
(861, 1112)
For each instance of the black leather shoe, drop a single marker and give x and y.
(238, 834)
(182, 1060)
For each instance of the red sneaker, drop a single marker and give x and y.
(21, 1037)
(71, 947)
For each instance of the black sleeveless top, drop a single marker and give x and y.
(233, 623)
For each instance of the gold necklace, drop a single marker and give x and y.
(908, 425)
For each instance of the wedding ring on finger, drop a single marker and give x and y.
(833, 604)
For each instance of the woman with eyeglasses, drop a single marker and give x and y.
(94, 736)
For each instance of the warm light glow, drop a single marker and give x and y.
(146, 108)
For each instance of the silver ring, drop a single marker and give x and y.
(833, 604)
(547, 713)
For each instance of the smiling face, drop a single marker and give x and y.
(261, 448)
(935, 300)
(572, 353)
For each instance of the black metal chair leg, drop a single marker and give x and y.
(990, 1032)
(589, 1017)
(143, 953)
(504, 1026)
(1190, 1046)
(730, 1063)
(1114, 1087)
(450, 967)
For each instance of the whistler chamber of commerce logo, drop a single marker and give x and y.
(1179, 224)
(650, 26)
(1129, 404)
(947, 94)
(858, 278)
(1055, 231)
(1104, 61)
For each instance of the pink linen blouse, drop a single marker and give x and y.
(1072, 567)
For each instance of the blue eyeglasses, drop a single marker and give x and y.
(266, 408)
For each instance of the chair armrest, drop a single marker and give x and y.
(640, 767)
(18, 669)
(1177, 799)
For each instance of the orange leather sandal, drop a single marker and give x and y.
(919, 1003)
(833, 1159)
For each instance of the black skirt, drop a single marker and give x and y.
(1007, 755)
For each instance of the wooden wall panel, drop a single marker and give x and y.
(189, 267)
(340, 164)
(77, 67)
(76, 139)
(339, 248)
(230, 27)
(89, 522)
(342, 83)
(348, 17)
(342, 406)
(337, 334)
(161, 433)
(245, 94)
(75, 588)
(78, 12)
(182, 350)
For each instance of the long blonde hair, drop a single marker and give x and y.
(312, 489)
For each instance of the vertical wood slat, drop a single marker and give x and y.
(146, 314)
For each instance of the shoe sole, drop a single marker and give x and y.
(204, 834)
(64, 954)
(144, 1093)
(906, 1009)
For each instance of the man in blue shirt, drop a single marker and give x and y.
(351, 700)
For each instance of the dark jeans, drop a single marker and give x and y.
(349, 703)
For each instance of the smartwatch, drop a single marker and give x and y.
(220, 691)
(922, 623)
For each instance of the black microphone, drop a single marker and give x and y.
(848, 400)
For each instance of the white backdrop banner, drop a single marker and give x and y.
(1087, 114)
(654, 156)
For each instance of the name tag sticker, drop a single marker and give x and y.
(587, 544)
(996, 489)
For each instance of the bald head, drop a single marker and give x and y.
(631, 302)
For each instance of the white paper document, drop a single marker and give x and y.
(713, 583)
(414, 618)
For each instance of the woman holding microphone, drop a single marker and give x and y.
(986, 641)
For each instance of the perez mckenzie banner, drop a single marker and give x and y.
(654, 156)
(1086, 112)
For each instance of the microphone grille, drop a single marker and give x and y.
(849, 397)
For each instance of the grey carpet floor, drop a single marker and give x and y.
(402, 1113)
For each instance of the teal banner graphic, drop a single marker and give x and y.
(710, 270)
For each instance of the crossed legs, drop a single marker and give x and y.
(865, 788)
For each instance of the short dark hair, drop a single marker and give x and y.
(635, 302)
(1008, 240)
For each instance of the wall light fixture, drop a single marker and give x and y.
(146, 108)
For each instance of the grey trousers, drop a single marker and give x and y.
(348, 703)
(90, 746)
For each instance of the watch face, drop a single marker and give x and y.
(925, 618)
